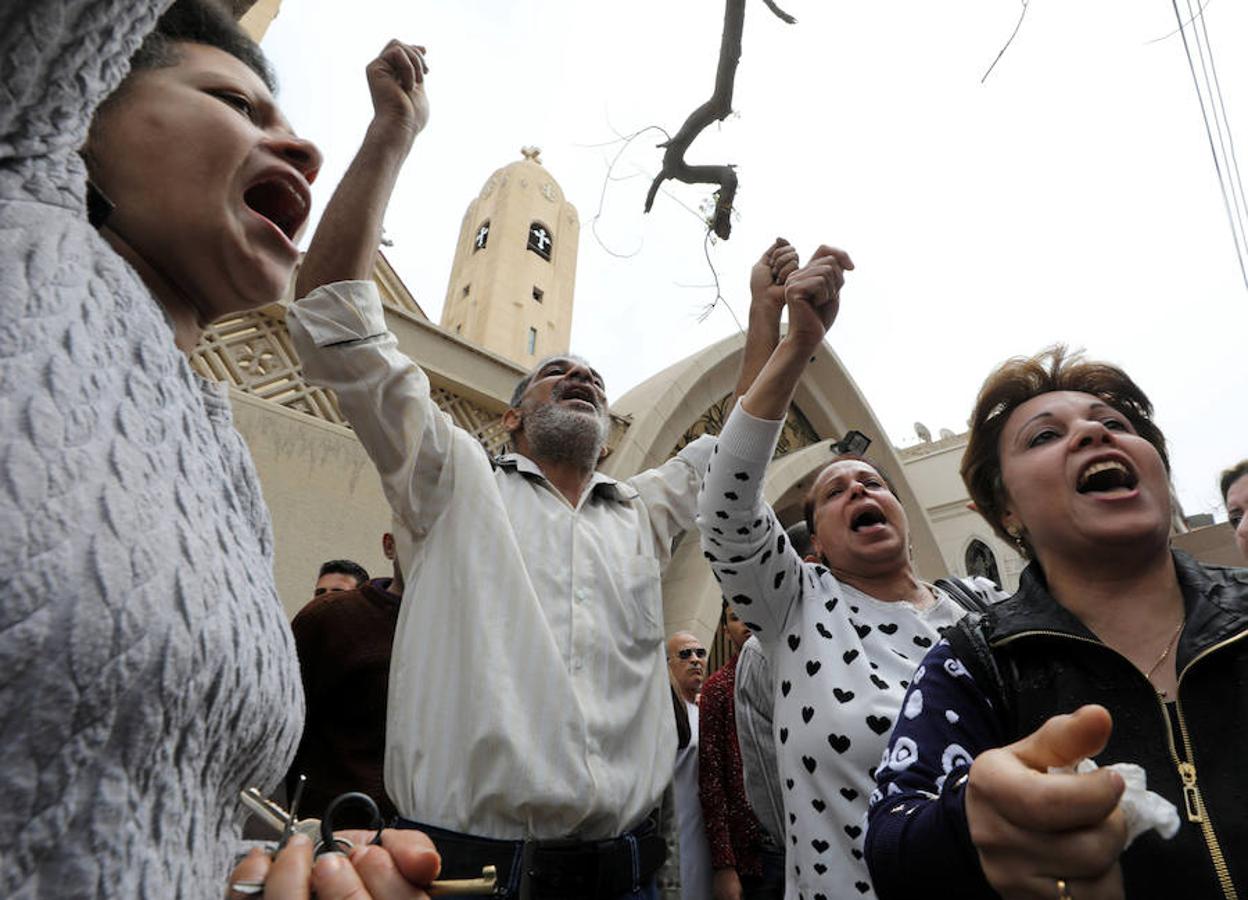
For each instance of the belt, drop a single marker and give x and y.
(555, 869)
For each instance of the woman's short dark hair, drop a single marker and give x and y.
(1232, 475)
(200, 22)
(1015, 382)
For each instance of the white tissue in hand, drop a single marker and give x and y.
(1141, 808)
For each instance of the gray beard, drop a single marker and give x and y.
(560, 435)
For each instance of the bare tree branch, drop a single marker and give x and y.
(624, 141)
(716, 109)
(780, 14)
(720, 299)
(1013, 34)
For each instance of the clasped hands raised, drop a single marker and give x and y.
(811, 292)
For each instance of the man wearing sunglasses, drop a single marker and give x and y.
(686, 657)
(686, 661)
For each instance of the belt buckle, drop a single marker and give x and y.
(561, 867)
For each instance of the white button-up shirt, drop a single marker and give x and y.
(528, 687)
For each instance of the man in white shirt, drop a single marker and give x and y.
(546, 762)
(567, 733)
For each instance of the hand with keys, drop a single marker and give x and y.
(313, 860)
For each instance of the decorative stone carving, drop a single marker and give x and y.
(253, 352)
(486, 426)
(797, 432)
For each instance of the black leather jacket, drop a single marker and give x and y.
(1044, 662)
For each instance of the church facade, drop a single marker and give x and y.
(508, 304)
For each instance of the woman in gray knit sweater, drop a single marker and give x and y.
(149, 672)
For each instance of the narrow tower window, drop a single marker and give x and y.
(541, 241)
(538, 293)
(482, 238)
(532, 342)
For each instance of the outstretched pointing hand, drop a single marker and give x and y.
(1032, 828)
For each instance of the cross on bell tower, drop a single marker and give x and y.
(514, 272)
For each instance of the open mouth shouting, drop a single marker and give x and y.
(868, 519)
(1107, 477)
(578, 395)
(281, 197)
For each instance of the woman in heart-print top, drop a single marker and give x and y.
(843, 633)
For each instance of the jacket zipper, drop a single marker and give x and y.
(1192, 798)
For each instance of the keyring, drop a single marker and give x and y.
(331, 844)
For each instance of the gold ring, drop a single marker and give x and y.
(1063, 892)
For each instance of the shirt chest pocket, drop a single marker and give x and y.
(641, 599)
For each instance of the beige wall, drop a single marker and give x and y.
(932, 471)
(322, 491)
(1214, 544)
(259, 17)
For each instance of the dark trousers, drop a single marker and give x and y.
(770, 884)
(463, 856)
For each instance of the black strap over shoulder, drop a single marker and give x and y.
(962, 595)
(970, 646)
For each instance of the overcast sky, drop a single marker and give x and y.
(1070, 198)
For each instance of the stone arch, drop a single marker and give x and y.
(663, 409)
(978, 558)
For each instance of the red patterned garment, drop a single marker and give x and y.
(732, 829)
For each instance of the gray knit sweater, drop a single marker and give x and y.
(146, 668)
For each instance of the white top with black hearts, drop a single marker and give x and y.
(842, 661)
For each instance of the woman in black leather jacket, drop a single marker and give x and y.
(1115, 648)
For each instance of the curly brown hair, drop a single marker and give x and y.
(1015, 382)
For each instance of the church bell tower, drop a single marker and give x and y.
(515, 265)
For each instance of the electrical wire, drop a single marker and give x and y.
(1237, 183)
(1209, 71)
(1236, 222)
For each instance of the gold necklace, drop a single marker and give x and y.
(1165, 653)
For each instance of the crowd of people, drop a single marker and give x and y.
(874, 734)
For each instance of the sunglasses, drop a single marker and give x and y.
(686, 652)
